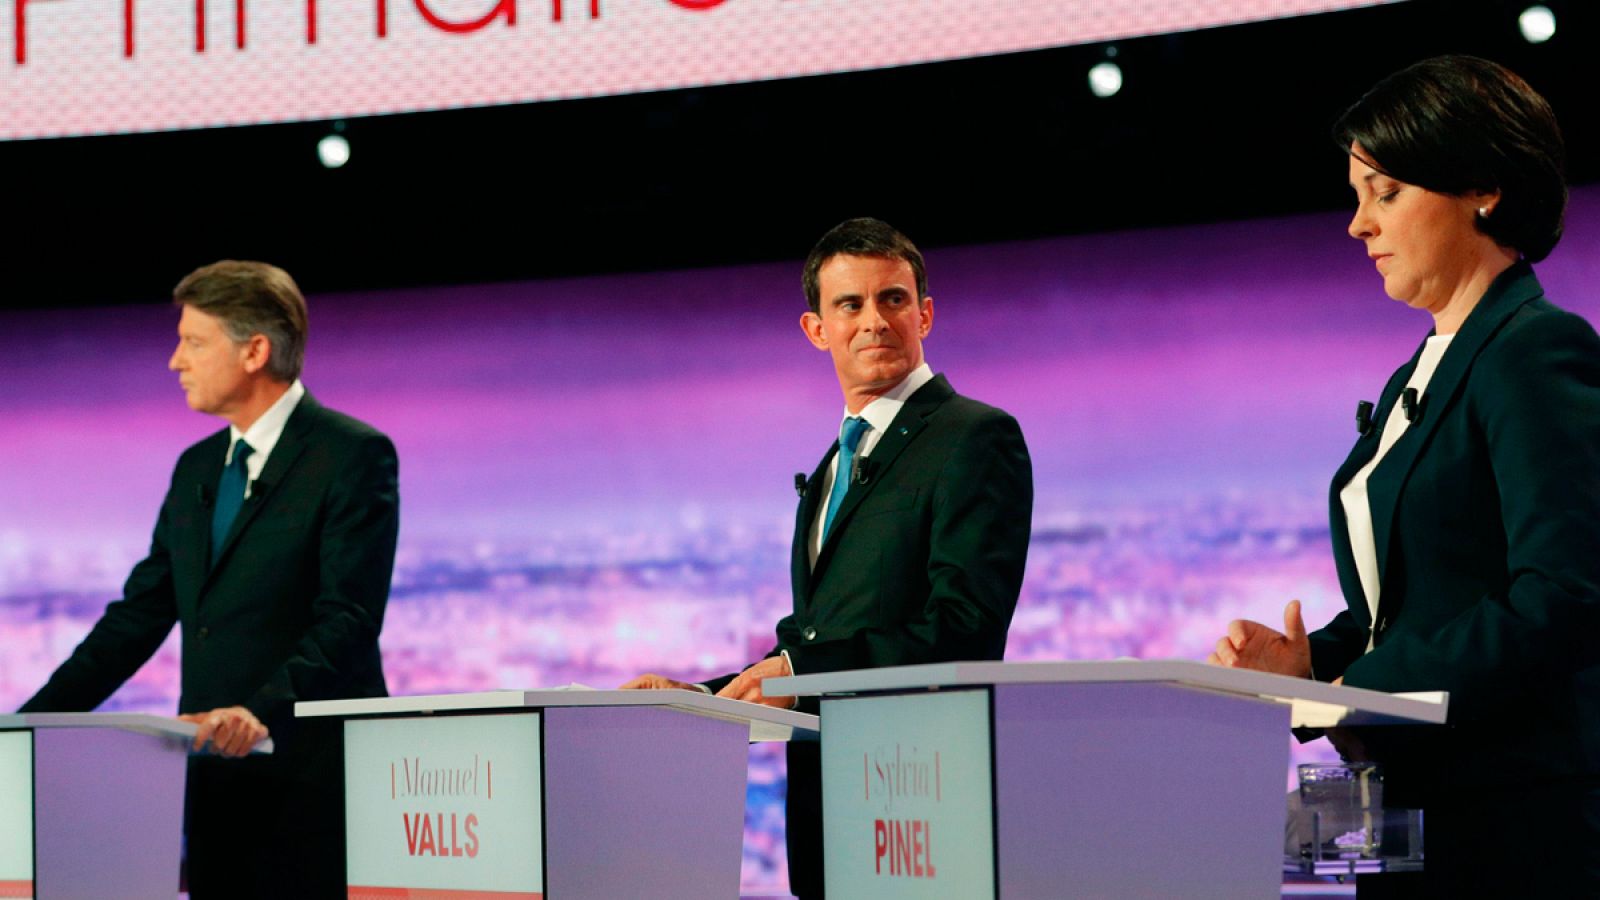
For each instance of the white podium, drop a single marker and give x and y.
(1067, 779)
(568, 794)
(91, 805)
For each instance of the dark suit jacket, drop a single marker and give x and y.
(923, 564)
(1486, 518)
(292, 606)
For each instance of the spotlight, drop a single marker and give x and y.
(1105, 79)
(1538, 24)
(333, 150)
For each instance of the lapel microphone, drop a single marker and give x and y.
(862, 471)
(1412, 404)
(800, 484)
(1364, 417)
(203, 493)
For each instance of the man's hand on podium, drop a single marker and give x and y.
(649, 682)
(1252, 645)
(232, 730)
(747, 686)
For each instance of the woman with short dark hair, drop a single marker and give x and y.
(1466, 520)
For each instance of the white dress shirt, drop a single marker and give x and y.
(1353, 496)
(263, 434)
(879, 413)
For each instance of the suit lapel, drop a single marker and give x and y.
(208, 471)
(800, 556)
(284, 454)
(1515, 287)
(909, 423)
(1366, 447)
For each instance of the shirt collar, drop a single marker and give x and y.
(881, 411)
(263, 435)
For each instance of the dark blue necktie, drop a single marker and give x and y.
(230, 496)
(849, 439)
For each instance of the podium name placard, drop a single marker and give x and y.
(16, 814)
(444, 807)
(908, 787)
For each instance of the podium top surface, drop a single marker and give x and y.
(1313, 704)
(766, 723)
(143, 723)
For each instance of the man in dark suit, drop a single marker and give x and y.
(912, 532)
(273, 552)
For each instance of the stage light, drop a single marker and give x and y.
(1105, 79)
(333, 150)
(1538, 24)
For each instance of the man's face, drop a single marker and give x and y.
(870, 322)
(213, 371)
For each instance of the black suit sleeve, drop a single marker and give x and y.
(356, 562)
(128, 633)
(982, 511)
(1536, 393)
(1336, 645)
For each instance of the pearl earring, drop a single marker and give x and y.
(1483, 212)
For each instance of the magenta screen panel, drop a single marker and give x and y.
(77, 67)
(597, 473)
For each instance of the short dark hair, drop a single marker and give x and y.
(251, 298)
(1458, 124)
(860, 237)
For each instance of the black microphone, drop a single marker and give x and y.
(1364, 417)
(862, 470)
(203, 493)
(1412, 405)
(800, 484)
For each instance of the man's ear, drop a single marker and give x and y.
(811, 324)
(926, 310)
(257, 352)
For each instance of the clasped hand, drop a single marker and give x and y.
(746, 686)
(232, 730)
(651, 682)
(1252, 645)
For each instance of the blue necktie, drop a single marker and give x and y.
(230, 496)
(849, 439)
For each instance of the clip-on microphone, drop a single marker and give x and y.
(861, 471)
(1364, 417)
(1412, 404)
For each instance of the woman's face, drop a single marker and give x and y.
(1424, 244)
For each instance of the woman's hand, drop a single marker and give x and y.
(1252, 645)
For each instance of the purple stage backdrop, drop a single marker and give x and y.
(596, 474)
